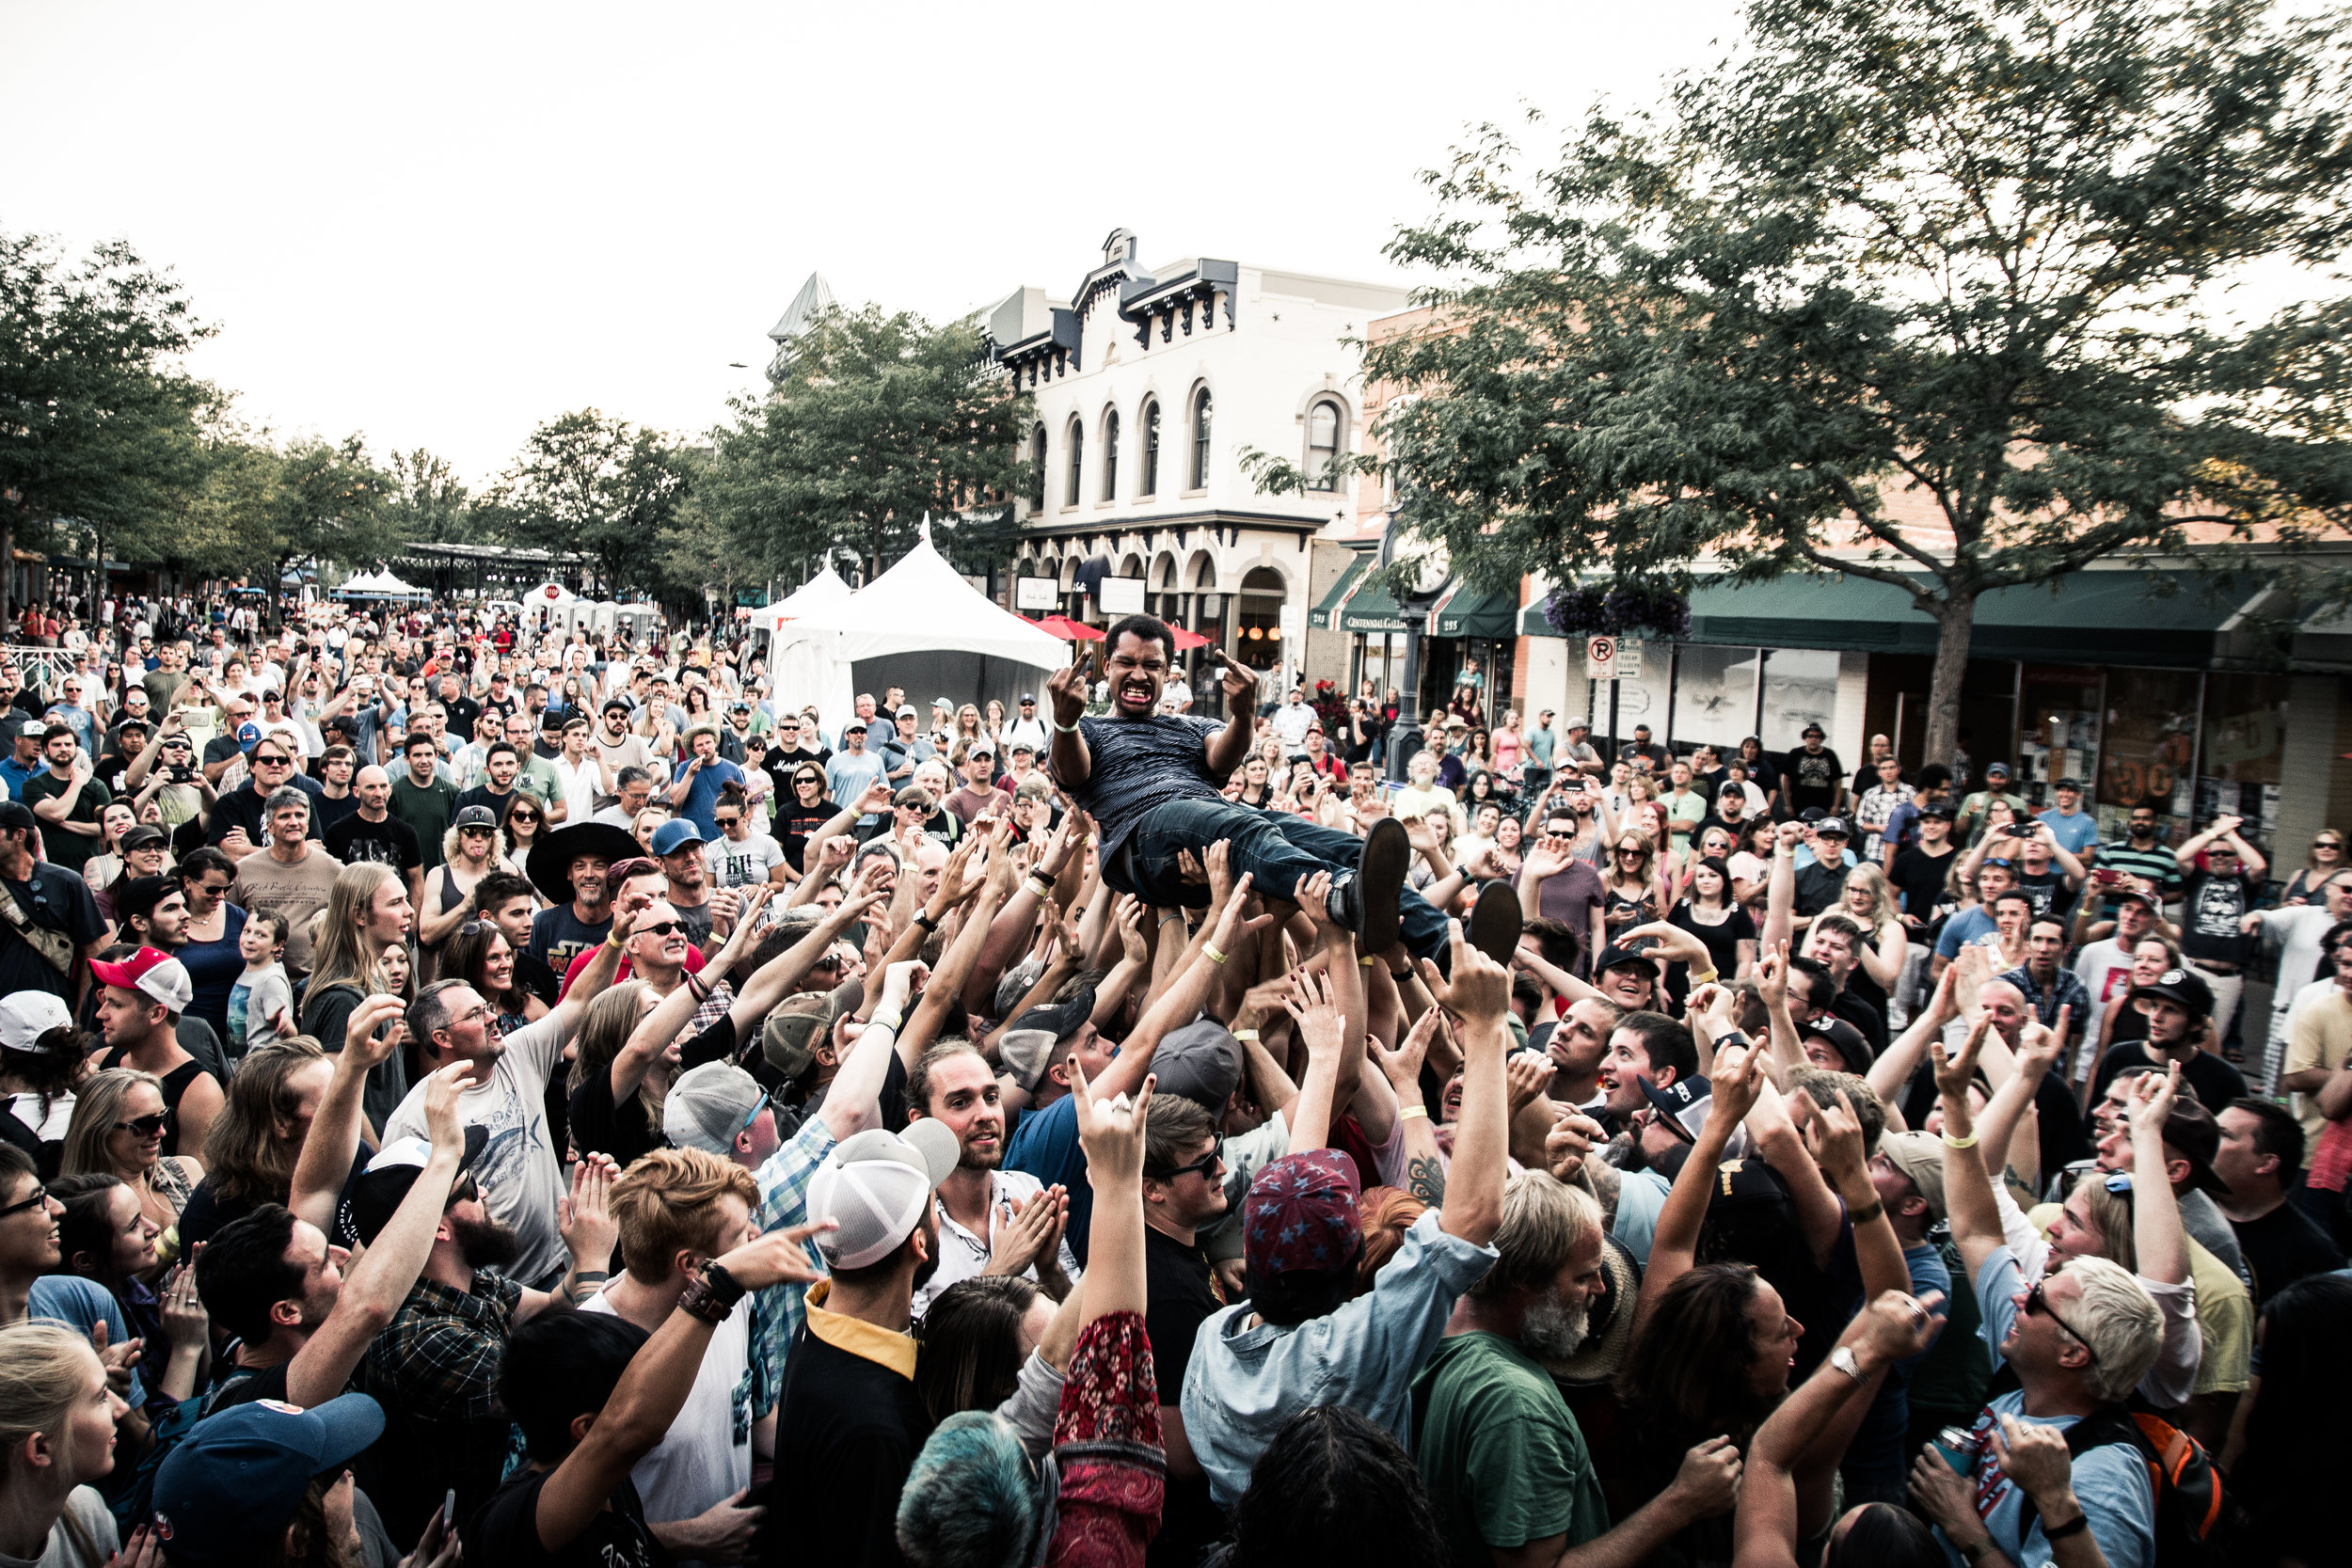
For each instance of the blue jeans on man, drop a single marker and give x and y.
(1277, 852)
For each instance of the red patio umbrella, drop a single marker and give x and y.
(1189, 640)
(1068, 629)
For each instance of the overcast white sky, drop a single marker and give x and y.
(439, 225)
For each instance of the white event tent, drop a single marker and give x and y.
(805, 671)
(921, 605)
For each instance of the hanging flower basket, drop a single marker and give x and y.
(1591, 612)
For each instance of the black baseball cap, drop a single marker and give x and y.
(2183, 986)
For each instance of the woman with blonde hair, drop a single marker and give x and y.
(635, 1097)
(367, 911)
(469, 852)
(54, 1401)
(1870, 903)
(1631, 883)
(2323, 861)
(118, 1130)
(250, 1150)
(968, 727)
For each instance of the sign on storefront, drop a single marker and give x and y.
(1036, 593)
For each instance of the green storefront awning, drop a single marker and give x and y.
(2168, 619)
(1373, 608)
(1320, 617)
(1474, 612)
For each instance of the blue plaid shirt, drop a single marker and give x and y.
(776, 1313)
(2066, 989)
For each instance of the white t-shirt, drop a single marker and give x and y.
(743, 865)
(706, 1458)
(2105, 970)
(26, 1108)
(962, 1254)
(86, 1508)
(1031, 729)
(580, 784)
(521, 1170)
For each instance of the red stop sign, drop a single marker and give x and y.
(555, 591)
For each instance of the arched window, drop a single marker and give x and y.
(1201, 440)
(1077, 462)
(1036, 470)
(1110, 454)
(1323, 443)
(1150, 485)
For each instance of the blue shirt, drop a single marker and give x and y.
(2077, 833)
(702, 794)
(1806, 857)
(1045, 1146)
(1245, 1381)
(17, 773)
(83, 1303)
(2110, 1482)
(849, 774)
(1962, 929)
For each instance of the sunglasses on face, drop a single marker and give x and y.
(1204, 1166)
(144, 1127)
(2037, 1301)
(661, 928)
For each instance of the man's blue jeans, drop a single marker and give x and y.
(1276, 850)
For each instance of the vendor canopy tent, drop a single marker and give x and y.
(819, 592)
(922, 626)
(377, 585)
(807, 672)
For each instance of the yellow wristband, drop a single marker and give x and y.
(1409, 1112)
(1968, 1142)
(1244, 1034)
(1698, 979)
(613, 939)
(890, 1024)
(1209, 950)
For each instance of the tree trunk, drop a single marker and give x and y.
(8, 567)
(1954, 622)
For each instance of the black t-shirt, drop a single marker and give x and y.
(462, 713)
(1139, 764)
(537, 979)
(1920, 878)
(1811, 779)
(506, 1530)
(2283, 1246)
(55, 899)
(241, 808)
(2211, 908)
(1723, 941)
(847, 1433)
(390, 841)
(244, 1385)
(1181, 1295)
(2049, 891)
(2215, 1081)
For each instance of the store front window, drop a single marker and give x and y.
(1715, 696)
(1800, 689)
(1258, 621)
(2150, 743)
(2239, 763)
(2059, 732)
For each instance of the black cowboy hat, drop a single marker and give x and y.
(551, 863)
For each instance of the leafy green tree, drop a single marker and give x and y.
(601, 487)
(98, 421)
(324, 502)
(429, 504)
(1926, 292)
(877, 420)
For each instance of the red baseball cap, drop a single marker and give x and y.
(152, 973)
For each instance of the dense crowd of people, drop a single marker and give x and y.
(478, 1091)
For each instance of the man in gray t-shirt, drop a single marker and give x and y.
(1155, 785)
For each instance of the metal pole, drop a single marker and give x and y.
(1611, 757)
(1407, 706)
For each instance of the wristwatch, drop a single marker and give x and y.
(1843, 1359)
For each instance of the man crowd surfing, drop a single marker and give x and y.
(484, 1092)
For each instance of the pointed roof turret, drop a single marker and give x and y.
(816, 295)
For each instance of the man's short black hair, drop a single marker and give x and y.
(244, 1272)
(415, 741)
(2276, 1134)
(496, 747)
(558, 1367)
(1148, 628)
(1664, 1042)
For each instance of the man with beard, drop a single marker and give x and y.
(569, 866)
(989, 1220)
(1154, 785)
(434, 1366)
(1508, 1473)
